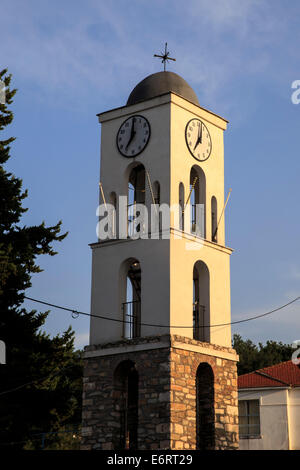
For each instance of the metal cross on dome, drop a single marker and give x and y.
(165, 56)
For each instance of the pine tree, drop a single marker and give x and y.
(49, 366)
(253, 357)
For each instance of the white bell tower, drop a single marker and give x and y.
(172, 268)
(166, 294)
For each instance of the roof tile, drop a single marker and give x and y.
(279, 375)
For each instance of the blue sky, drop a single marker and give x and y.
(72, 59)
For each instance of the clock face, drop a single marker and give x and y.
(133, 136)
(198, 139)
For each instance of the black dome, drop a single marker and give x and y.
(160, 83)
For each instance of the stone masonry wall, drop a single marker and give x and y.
(167, 395)
(184, 364)
(100, 420)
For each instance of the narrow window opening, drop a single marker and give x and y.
(214, 220)
(181, 207)
(198, 310)
(113, 202)
(132, 306)
(201, 302)
(156, 195)
(136, 195)
(197, 201)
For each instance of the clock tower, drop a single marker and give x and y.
(159, 371)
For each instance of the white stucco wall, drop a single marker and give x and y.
(166, 265)
(294, 418)
(274, 423)
(107, 288)
(154, 255)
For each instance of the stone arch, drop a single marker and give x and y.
(207, 359)
(205, 407)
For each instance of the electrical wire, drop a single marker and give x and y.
(104, 317)
(124, 321)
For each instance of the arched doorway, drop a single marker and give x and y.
(126, 380)
(205, 409)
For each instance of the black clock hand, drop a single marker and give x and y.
(132, 134)
(199, 139)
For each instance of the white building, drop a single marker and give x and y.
(269, 408)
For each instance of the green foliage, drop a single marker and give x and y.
(50, 367)
(68, 438)
(253, 357)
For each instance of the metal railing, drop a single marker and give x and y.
(198, 322)
(132, 319)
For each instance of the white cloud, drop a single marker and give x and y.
(75, 52)
(67, 60)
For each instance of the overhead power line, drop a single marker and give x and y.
(105, 317)
(54, 373)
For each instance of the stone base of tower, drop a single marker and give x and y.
(187, 395)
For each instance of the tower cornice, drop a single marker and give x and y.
(161, 100)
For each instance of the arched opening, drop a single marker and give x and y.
(113, 202)
(126, 382)
(156, 197)
(197, 201)
(132, 305)
(136, 195)
(214, 220)
(156, 192)
(201, 303)
(205, 409)
(181, 206)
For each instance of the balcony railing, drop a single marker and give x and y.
(198, 322)
(132, 319)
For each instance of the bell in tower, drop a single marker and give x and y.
(159, 372)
